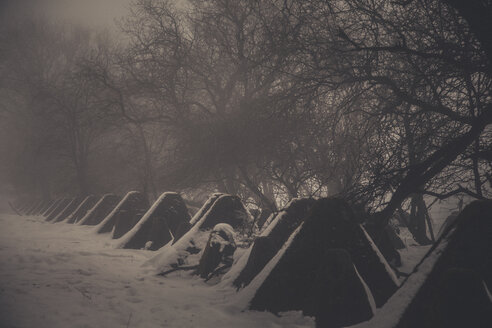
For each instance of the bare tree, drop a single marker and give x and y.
(59, 110)
(418, 62)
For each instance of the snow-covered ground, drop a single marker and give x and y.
(64, 275)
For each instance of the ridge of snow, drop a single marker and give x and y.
(55, 203)
(370, 297)
(237, 266)
(389, 315)
(241, 262)
(447, 222)
(381, 257)
(274, 218)
(245, 296)
(112, 213)
(58, 215)
(90, 211)
(123, 240)
(268, 221)
(210, 200)
(279, 216)
(76, 209)
(487, 291)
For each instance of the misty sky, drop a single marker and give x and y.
(94, 13)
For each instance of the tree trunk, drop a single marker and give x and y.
(268, 191)
(82, 181)
(148, 183)
(476, 172)
(256, 190)
(417, 222)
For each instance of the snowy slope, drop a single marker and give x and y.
(66, 276)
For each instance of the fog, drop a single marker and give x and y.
(266, 100)
(301, 156)
(100, 14)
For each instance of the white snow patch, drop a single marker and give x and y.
(148, 244)
(226, 228)
(216, 238)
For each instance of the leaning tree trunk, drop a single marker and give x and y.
(420, 174)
